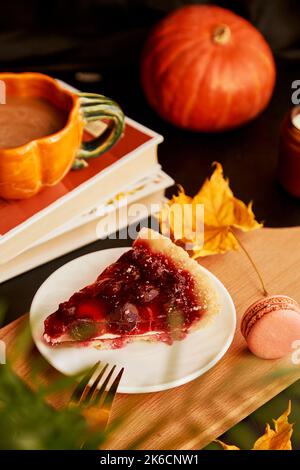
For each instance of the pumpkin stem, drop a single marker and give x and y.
(221, 34)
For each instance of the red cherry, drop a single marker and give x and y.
(91, 309)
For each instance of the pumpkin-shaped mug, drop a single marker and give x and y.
(41, 132)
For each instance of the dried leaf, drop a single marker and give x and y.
(278, 438)
(226, 446)
(222, 213)
(179, 221)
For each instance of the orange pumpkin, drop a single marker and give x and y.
(206, 69)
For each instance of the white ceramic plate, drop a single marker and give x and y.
(149, 367)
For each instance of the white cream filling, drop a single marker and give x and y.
(106, 336)
(110, 336)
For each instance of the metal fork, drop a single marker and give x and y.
(94, 397)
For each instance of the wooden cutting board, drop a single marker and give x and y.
(191, 416)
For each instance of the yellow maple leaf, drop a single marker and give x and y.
(227, 446)
(178, 220)
(278, 438)
(223, 212)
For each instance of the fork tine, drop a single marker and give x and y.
(112, 391)
(79, 390)
(93, 387)
(99, 393)
(97, 402)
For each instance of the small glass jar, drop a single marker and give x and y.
(289, 152)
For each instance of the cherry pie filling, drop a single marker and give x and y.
(140, 294)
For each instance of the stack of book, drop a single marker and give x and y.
(86, 205)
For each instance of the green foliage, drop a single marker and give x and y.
(28, 422)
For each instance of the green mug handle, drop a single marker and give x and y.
(96, 108)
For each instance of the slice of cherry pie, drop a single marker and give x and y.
(154, 291)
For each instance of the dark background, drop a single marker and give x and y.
(62, 38)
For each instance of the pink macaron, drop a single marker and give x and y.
(271, 325)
